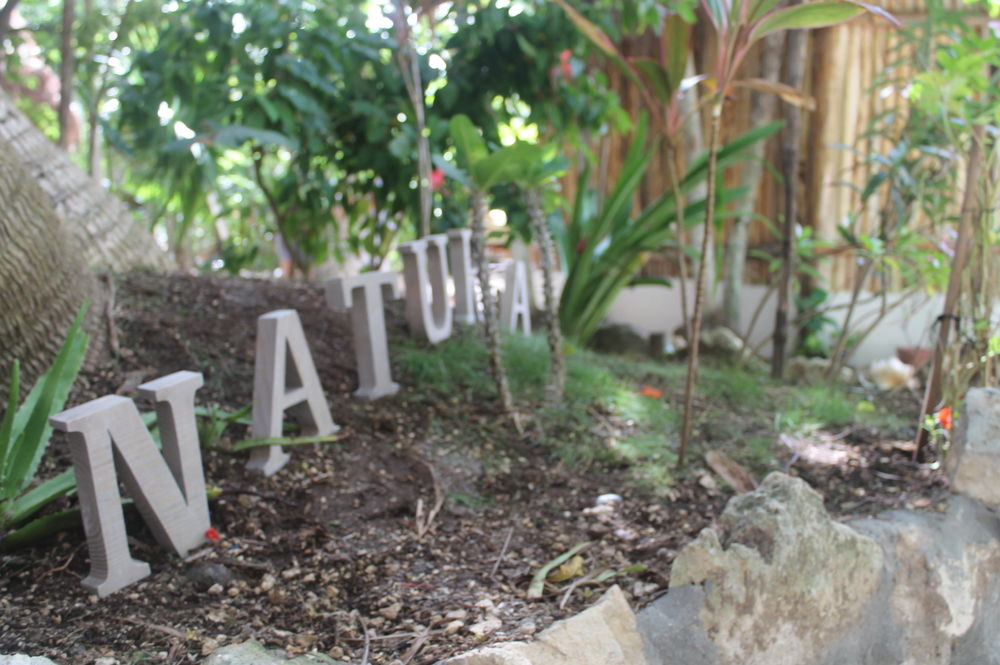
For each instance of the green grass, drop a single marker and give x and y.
(605, 417)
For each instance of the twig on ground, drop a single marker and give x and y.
(422, 522)
(367, 637)
(167, 630)
(503, 552)
(416, 646)
(64, 566)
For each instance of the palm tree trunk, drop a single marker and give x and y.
(557, 367)
(489, 303)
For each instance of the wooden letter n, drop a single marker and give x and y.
(168, 489)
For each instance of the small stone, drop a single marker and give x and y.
(392, 611)
(610, 500)
(456, 614)
(206, 575)
(215, 589)
(453, 627)
(267, 582)
(489, 625)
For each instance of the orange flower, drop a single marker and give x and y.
(213, 534)
(944, 417)
(649, 391)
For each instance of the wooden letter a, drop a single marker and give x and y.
(281, 383)
(168, 490)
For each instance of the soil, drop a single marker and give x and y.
(342, 552)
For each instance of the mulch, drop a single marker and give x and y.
(342, 551)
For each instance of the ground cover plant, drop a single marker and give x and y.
(345, 541)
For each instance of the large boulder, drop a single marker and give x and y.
(774, 582)
(973, 461)
(603, 634)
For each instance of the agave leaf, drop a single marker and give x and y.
(7, 427)
(32, 501)
(47, 397)
(40, 528)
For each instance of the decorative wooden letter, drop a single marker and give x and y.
(515, 302)
(281, 384)
(425, 272)
(169, 490)
(363, 294)
(460, 254)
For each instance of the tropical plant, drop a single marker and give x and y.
(541, 166)
(603, 247)
(24, 436)
(480, 171)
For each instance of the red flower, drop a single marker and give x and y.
(437, 179)
(944, 417)
(564, 64)
(213, 534)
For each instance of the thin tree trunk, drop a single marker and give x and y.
(409, 66)
(489, 304)
(557, 367)
(970, 209)
(699, 298)
(762, 105)
(67, 64)
(693, 143)
(795, 57)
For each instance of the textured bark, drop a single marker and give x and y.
(102, 231)
(43, 279)
(557, 367)
(762, 105)
(489, 302)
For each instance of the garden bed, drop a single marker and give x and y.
(331, 554)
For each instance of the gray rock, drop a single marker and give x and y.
(619, 338)
(603, 634)
(720, 341)
(781, 579)
(973, 461)
(206, 575)
(22, 659)
(253, 653)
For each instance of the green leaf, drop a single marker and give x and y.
(451, 170)
(33, 500)
(262, 442)
(31, 423)
(40, 528)
(656, 77)
(468, 143)
(677, 34)
(811, 15)
(7, 428)
(231, 136)
(537, 586)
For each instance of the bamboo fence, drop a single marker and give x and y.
(845, 64)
